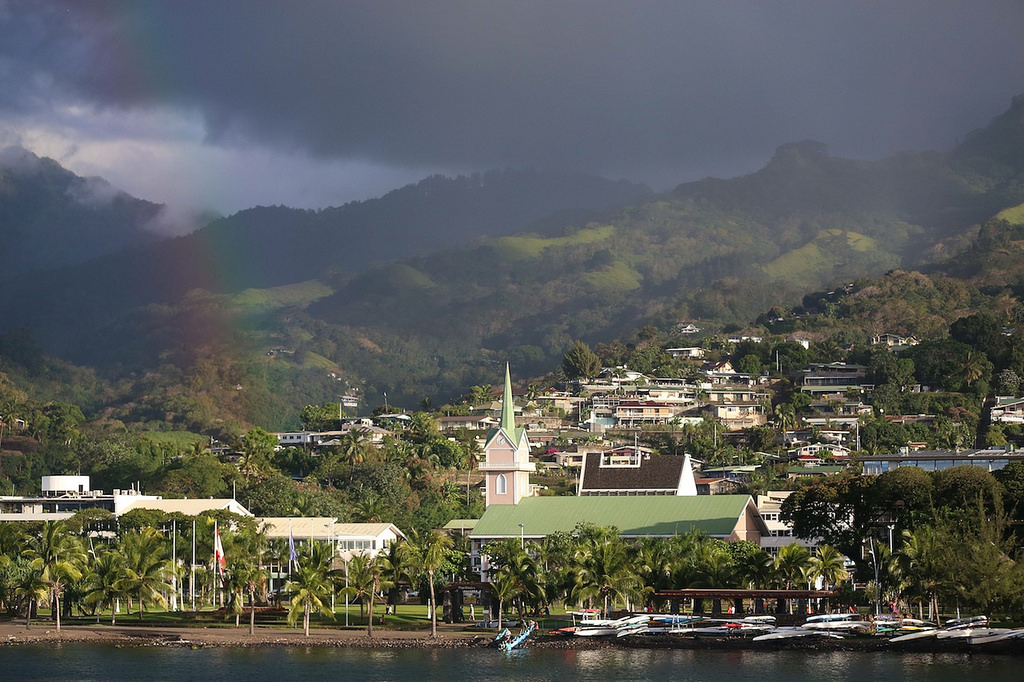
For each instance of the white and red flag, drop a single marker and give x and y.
(218, 551)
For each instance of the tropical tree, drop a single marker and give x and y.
(393, 570)
(103, 583)
(503, 587)
(355, 445)
(243, 580)
(58, 556)
(359, 583)
(604, 572)
(514, 563)
(32, 587)
(754, 570)
(309, 588)
(146, 567)
(257, 450)
(791, 565)
(827, 564)
(427, 555)
(579, 362)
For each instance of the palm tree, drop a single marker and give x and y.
(32, 587)
(657, 562)
(243, 579)
(973, 367)
(393, 570)
(791, 564)
(604, 571)
(354, 446)
(146, 567)
(58, 556)
(103, 583)
(504, 588)
(309, 587)
(513, 562)
(360, 582)
(428, 555)
(917, 563)
(755, 569)
(827, 564)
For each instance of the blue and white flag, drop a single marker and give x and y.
(292, 554)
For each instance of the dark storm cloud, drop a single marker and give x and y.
(647, 89)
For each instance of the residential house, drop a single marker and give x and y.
(473, 422)
(692, 352)
(818, 453)
(632, 414)
(893, 340)
(833, 381)
(1008, 409)
(718, 486)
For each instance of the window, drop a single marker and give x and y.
(500, 485)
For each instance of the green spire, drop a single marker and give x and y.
(508, 413)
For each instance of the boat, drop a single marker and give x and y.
(895, 626)
(996, 635)
(510, 642)
(612, 628)
(964, 628)
(960, 628)
(911, 636)
(793, 633)
(967, 622)
(669, 624)
(837, 622)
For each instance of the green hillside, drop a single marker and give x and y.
(428, 326)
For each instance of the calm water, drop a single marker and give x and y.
(86, 662)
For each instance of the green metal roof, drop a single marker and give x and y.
(633, 515)
(460, 524)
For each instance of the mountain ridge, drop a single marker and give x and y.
(429, 324)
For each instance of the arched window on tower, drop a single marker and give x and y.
(501, 485)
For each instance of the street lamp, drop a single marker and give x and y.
(891, 527)
(522, 537)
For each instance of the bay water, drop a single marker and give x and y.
(89, 662)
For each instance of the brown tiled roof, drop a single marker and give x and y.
(655, 472)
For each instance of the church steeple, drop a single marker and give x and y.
(508, 411)
(507, 466)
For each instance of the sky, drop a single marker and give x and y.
(228, 104)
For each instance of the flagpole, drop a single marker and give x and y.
(216, 564)
(192, 570)
(174, 564)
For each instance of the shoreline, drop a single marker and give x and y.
(13, 634)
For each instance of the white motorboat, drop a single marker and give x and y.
(995, 635)
(838, 622)
(792, 633)
(612, 628)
